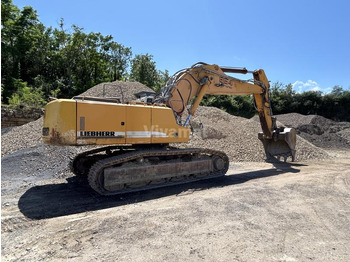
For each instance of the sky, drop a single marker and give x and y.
(304, 43)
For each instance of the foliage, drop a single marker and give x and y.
(53, 60)
(119, 60)
(235, 105)
(163, 78)
(335, 105)
(143, 70)
(26, 96)
(282, 98)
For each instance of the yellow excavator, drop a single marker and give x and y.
(138, 134)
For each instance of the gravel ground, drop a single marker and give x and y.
(257, 212)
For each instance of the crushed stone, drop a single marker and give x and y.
(318, 130)
(238, 137)
(123, 90)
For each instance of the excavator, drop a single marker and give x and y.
(138, 137)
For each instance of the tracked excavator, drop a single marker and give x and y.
(138, 136)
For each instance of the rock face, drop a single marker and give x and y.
(17, 117)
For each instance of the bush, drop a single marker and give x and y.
(26, 96)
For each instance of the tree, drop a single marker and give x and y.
(337, 91)
(282, 98)
(162, 79)
(26, 96)
(52, 60)
(119, 58)
(309, 102)
(235, 105)
(143, 70)
(19, 29)
(336, 104)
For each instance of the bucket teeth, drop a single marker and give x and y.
(279, 156)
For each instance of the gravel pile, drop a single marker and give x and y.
(23, 154)
(37, 162)
(345, 134)
(236, 136)
(119, 89)
(319, 130)
(20, 137)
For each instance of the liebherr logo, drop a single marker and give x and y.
(100, 134)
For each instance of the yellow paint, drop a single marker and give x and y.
(101, 117)
(60, 118)
(163, 121)
(84, 122)
(137, 124)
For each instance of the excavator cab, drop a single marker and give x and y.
(281, 145)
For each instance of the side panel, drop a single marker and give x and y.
(165, 129)
(59, 127)
(138, 124)
(68, 122)
(100, 123)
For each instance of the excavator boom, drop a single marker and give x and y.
(193, 83)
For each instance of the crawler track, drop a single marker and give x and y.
(129, 169)
(82, 162)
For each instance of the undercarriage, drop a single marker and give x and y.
(120, 169)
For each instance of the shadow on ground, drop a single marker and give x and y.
(76, 196)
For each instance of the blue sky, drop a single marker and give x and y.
(306, 43)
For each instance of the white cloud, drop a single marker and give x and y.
(309, 85)
(327, 90)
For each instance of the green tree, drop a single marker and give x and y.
(336, 104)
(162, 79)
(143, 70)
(235, 105)
(19, 29)
(283, 98)
(308, 102)
(119, 59)
(53, 60)
(26, 96)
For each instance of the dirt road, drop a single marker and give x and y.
(258, 212)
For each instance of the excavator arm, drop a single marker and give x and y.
(186, 89)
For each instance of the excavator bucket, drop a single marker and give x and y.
(282, 144)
